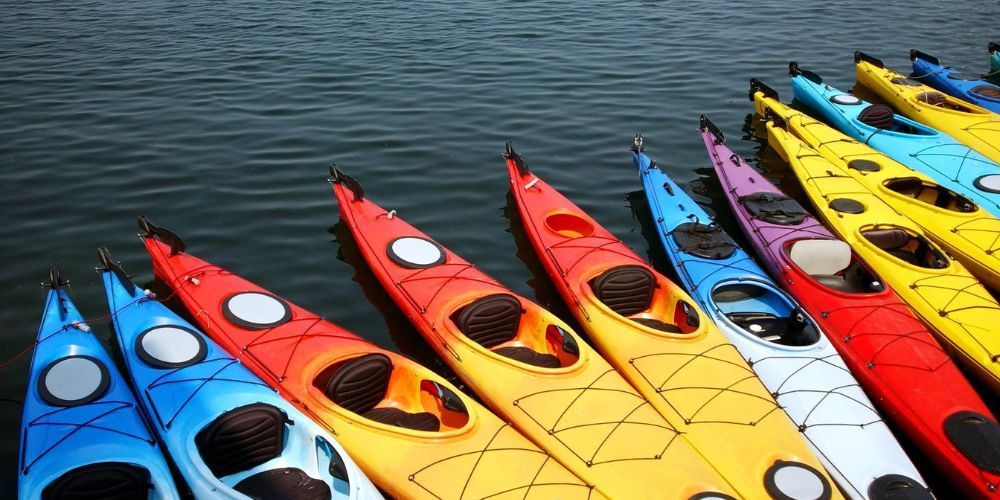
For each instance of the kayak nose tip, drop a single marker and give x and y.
(897, 487)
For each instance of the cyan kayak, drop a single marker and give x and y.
(780, 341)
(928, 69)
(229, 433)
(920, 147)
(82, 433)
(994, 50)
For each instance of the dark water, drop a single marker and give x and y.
(218, 119)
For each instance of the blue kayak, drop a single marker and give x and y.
(928, 69)
(230, 434)
(82, 433)
(924, 149)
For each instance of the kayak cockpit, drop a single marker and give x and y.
(882, 117)
(904, 245)
(501, 323)
(939, 100)
(832, 264)
(764, 313)
(375, 388)
(932, 194)
(635, 293)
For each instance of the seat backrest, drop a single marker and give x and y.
(361, 383)
(242, 439)
(625, 289)
(887, 239)
(490, 320)
(104, 480)
(877, 115)
(817, 257)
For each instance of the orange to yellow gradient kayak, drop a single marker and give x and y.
(413, 433)
(655, 335)
(527, 364)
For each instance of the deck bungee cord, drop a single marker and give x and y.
(666, 346)
(938, 289)
(525, 363)
(781, 342)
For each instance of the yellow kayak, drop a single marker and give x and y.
(669, 349)
(942, 291)
(967, 231)
(977, 127)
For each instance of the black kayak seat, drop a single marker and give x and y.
(703, 240)
(774, 208)
(627, 290)
(360, 384)
(242, 438)
(284, 483)
(104, 480)
(495, 319)
(879, 116)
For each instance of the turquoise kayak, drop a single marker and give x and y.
(971, 88)
(82, 433)
(994, 50)
(924, 149)
(229, 433)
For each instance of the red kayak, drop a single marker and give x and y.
(413, 433)
(889, 350)
(527, 364)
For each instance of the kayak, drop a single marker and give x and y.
(922, 148)
(957, 223)
(946, 298)
(412, 432)
(944, 294)
(230, 435)
(970, 88)
(525, 363)
(783, 344)
(82, 433)
(975, 126)
(665, 345)
(994, 50)
(886, 346)
(968, 318)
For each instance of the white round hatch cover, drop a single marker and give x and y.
(414, 252)
(797, 481)
(73, 380)
(256, 310)
(170, 346)
(989, 183)
(845, 99)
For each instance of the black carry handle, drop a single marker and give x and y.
(109, 264)
(165, 235)
(758, 86)
(510, 154)
(861, 56)
(56, 280)
(339, 177)
(795, 70)
(915, 54)
(637, 144)
(706, 124)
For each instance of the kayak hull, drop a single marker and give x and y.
(666, 346)
(471, 454)
(562, 394)
(188, 397)
(924, 290)
(79, 414)
(808, 377)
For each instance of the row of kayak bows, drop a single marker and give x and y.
(750, 377)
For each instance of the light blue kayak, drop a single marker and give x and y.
(966, 86)
(230, 434)
(924, 149)
(82, 433)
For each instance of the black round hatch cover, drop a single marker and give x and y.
(847, 206)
